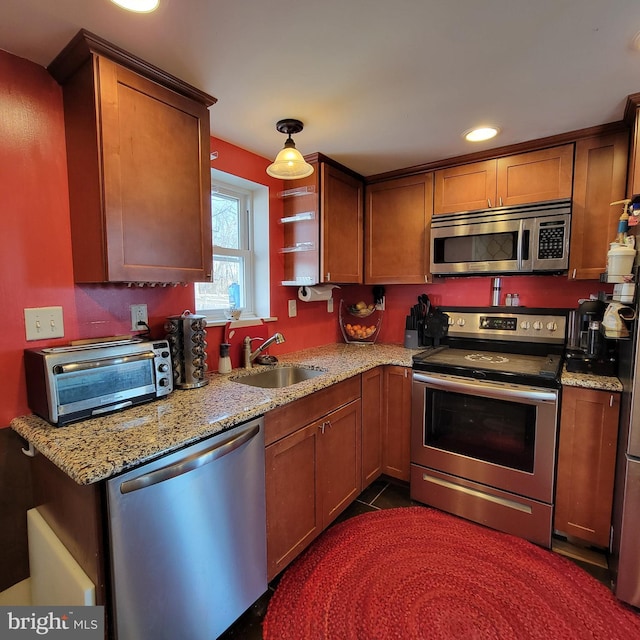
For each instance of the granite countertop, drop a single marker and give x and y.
(99, 448)
(590, 381)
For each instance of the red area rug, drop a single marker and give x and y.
(417, 573)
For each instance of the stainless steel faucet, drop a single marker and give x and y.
(249, 356)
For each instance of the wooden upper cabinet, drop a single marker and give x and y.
(536, 176)
(600, 179)
(465, 188)
(397, 218)
(323, 230)
(341, 226)
(138, 150)
(519, 179)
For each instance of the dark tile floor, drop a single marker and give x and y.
(386, 494)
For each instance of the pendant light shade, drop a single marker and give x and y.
(289, 163)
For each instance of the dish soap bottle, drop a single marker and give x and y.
(224, 363)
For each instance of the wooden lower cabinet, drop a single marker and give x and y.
(312, 475)
(372, 422)
(397, 422)
(586, 464)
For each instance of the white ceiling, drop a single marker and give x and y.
(379, 84)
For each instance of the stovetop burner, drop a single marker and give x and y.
(486, 357)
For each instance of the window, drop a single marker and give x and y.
(239, 215)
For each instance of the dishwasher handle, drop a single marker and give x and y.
(190, 463)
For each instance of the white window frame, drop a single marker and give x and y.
(254, 241)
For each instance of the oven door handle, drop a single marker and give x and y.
(487, 389)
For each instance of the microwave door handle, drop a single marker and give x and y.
(521, 237)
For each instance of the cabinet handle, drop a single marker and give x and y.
(573, 275)
(328, 277)
(489, 202)
(501, 201)
(324, 425)
(611, 400)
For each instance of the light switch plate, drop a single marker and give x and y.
(293, 309)
(43, 323)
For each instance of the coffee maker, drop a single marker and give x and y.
(588, 350)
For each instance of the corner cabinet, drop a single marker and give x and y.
(518, 179)
(586, 464)
(397, 219)
(600, 179)
(138, 150)
(323, 235)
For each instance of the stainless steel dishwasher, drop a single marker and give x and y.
(188, 538)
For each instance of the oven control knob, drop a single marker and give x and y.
(537, 325)
(525, 324)
(163, 367)
(460, 322)
(451, 321)
(551, 326)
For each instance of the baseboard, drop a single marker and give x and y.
(19, 595)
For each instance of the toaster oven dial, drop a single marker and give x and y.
(163, 382)
(163, 367)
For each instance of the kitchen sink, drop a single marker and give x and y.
(278, 377)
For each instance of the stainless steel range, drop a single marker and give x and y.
(485, 418)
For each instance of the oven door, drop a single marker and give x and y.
(497, 435)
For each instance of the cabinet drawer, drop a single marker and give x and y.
(286, 419)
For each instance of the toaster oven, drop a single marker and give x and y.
(67, 384)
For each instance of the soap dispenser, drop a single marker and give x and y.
(224, 363)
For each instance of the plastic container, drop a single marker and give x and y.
(620, 259)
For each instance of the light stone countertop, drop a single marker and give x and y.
(590, 381)
(96, 449)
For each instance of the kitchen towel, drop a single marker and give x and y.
(316, 293)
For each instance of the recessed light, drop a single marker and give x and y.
(478, 134)
(139, 6)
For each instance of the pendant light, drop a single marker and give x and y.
(289, 163)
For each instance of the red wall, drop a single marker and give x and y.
(35, 250)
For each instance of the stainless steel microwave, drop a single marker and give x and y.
(532, 238)
(67, 384)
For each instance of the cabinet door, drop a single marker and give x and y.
(339, 460)
(372, 419)
(341, 226)
(600, 176)
(586, 464)
(157, 184)
(293, 516)
(465, 188)
(397, 218)
(535, 177)
(397, 424)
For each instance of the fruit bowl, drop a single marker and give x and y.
(354, 329)
(361, 310)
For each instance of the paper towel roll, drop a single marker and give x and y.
(316, 293)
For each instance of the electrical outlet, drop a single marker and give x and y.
(44, 322)
(138, 314)
(293, 309)
(330, 305)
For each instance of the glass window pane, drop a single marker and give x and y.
(227, 288)
(225, 213)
